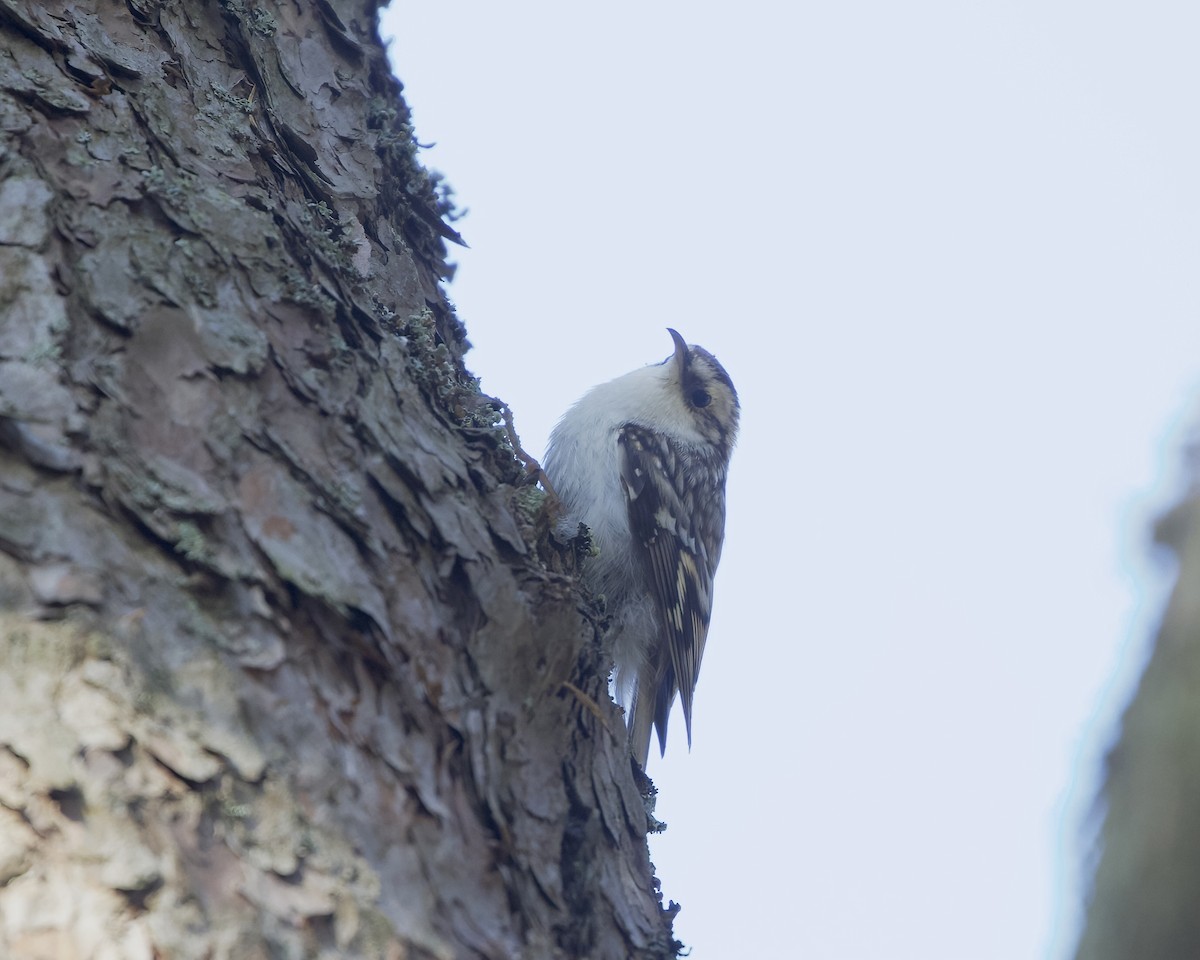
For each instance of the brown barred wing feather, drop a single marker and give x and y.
(677, 521)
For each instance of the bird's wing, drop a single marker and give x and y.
(661, 494)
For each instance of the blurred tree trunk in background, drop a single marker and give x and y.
(283, 664)
(1146, 892)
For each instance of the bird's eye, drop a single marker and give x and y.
(701, 398)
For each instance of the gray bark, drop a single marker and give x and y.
(1145, 898)
(288, 667)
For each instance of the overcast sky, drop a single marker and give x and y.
(948, 254)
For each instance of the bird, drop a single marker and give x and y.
(642, 461)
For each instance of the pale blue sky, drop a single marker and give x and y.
(948, 253)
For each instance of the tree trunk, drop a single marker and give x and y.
(1145, 899)
(288, 667)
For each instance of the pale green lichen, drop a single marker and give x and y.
(528, 501)
(158, 183)
(261, 22)
(236, 811)
(192, 544)
(45, 355)
(300, 290)
(329, 238)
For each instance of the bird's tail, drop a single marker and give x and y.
(650, 707)
(641, 722)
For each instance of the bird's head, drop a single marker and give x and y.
(703, 393)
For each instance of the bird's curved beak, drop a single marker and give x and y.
(682, 354)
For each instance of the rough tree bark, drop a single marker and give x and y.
(288, 667)
(1145, 899)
